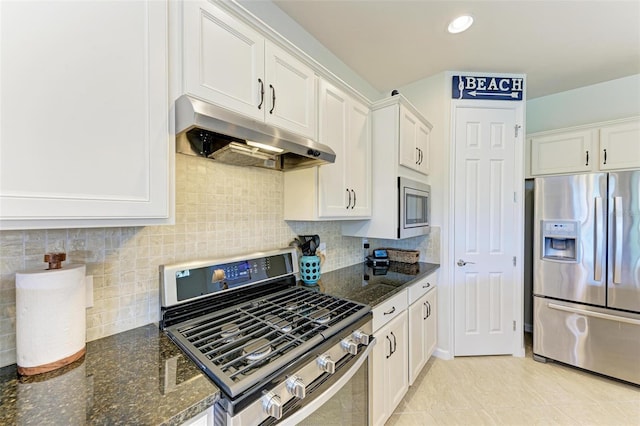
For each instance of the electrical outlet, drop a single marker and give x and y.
(365, 243)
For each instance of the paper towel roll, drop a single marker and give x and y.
(50, 318)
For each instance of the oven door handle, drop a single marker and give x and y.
(314, 405)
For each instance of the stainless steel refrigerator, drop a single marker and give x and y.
(586, 272)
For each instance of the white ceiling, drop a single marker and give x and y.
(560, 45)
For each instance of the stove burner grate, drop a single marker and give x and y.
(257, 337)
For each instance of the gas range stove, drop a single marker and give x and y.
(263, 340)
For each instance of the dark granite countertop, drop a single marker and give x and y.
(141, 377)
(135, 377)
(363, 284)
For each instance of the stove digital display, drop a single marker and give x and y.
(237, 273)
(214, 278)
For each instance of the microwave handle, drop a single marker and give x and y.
(314, 405)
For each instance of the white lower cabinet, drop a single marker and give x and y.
(422, 324)
(205, 418)
(390, 357)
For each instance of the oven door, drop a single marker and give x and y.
(345, 398)
(415, 208)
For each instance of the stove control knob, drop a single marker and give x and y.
(326, 364)
(272, 405)
(349, 346)
(360, 337)
(296, 387)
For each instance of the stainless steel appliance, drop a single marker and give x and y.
(586, 279)
(276, 350)
(207, 130)
(414, 208)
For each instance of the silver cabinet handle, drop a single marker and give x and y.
(597, 237)
(390, 312)
(593, 314)
(617, 254)
(349, 203)
(354, 199)
(462, 262)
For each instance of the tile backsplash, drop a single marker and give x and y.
(221, 210)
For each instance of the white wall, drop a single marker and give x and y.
(430, 96)
(590, 104)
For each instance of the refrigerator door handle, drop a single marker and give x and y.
(597, 237)
(593, 314)
(617, 255)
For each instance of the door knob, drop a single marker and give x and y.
(462, 262)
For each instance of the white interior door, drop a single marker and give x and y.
(484, 230)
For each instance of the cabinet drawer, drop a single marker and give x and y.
(422, 287)
(389, 309)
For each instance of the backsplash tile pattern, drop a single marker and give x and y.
(221, 210)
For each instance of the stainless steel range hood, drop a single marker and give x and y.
(206, 130)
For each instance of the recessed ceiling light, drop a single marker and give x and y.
(460, 24)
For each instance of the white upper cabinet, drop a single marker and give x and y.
(620, 145)
(223, 59)
(84, 112)
(566, 152)
(400, 147)
(345, 127)
(414, 134)
(231, 64)
(598, 147)
(341, 190)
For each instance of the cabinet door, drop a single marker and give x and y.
(290, 92)
(620, 146)
(431, 324)
(334, 197)
(397, 363)
(84, 111)
(379, 391)
(358, 152)
(566, 152)
(417, 315)
(223, 59)
(423, 135)
(409, 125)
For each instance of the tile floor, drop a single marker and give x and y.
(504, 390)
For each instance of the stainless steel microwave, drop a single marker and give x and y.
(414, 208)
